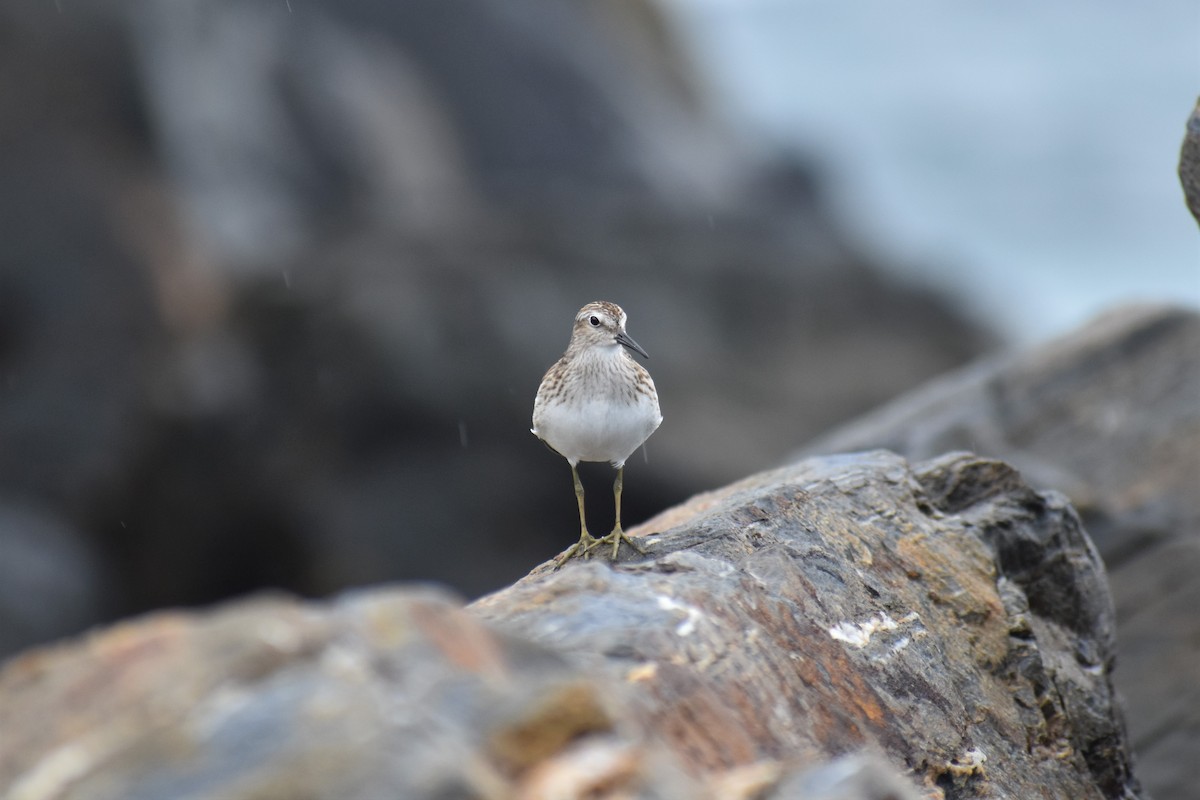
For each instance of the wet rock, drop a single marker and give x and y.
(77, 329)
(382, 694)
(847, 778)
(946, 614)
(417, 113)
(1110, 415)
(837, 606)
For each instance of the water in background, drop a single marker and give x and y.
(1021, 154)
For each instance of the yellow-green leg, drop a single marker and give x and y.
(586, 540)
(618, 535)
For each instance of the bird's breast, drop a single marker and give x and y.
(597, 429)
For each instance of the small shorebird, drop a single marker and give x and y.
(597, 404)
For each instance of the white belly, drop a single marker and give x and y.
(597, 431)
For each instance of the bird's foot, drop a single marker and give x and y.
(615, 538)
(581, 548)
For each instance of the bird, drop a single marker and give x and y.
(597, 403)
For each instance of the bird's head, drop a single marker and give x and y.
(602, 324)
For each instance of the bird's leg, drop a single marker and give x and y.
(618, 485)
(618, 535)
(586, 540)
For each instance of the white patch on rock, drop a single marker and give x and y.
(858, 634)
(687, 626)
(969, 763)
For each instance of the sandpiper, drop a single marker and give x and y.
(597, 404)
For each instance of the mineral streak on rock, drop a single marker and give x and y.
(1189, 163)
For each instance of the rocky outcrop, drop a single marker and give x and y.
(384, 694)
(391, 693)
(944, 616)
(1110, 414)
(1189, 163)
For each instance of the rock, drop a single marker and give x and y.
(381, 694)
(42, 557)
(1126, 384)
(416, 114)
(847, 778)
(944, 616)
(76, 324)
(78, 339)
(1189, 163)
(1110, 414)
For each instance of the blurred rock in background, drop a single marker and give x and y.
(278, 283)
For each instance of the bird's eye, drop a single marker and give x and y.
(595, 321)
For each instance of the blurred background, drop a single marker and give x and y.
(279, 278)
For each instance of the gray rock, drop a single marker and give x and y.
(280, 120)
(1109, 414)
(381, 694)
(946, 615)
(835, 606)
(51, 578)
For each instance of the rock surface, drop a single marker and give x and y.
(383, 694)
(1110, 415)
(944, 616)
(391, 693)
(1189, 163)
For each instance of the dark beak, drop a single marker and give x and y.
(625, 339)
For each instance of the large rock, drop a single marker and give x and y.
(417, 113)
(1110, 414)
(392, 693)
(944, 616)
(387, 694)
